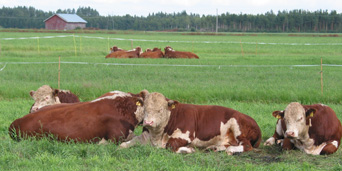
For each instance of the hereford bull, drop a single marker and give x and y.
(134, 53)
(113, 117)
(154, 53)
(183, 127)
(170, 53)
(314, 129)
(46, 95)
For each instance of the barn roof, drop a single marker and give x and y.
(69, 18)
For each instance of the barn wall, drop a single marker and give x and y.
(55, 23)
(72, 26)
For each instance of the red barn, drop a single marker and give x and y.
(64, 22)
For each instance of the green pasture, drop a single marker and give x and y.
(253, 73)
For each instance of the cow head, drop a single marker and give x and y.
(157, 110)
(44, 96)
(156, 49)
(138, 50)
(168, 49)
(297, 120)
(148, 50)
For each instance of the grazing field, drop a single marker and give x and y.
(253, 73)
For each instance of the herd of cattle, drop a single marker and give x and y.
(182, 128)
(116, 52)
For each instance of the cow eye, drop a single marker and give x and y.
(300, 119)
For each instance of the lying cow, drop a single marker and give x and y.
(45, 96)
(170, 53)
(154, 53)
(113, 116)
(134, 53)
(314, 129)
(114, 49)
(183, 127)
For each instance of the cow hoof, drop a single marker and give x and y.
(269, 142)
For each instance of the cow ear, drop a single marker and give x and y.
(172, 104)
(143, 94)
(55, 92)
(310, 113)
(278, 114)
(32, 93)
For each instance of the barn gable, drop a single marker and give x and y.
(64, 22)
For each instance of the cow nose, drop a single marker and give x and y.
(148, 123)
(290, 134)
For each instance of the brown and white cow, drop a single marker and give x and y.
(170, 53)
(134, 53)
(183, 127)
(154, 53)
(314, 129)
(46, 95)
(113, 117)
(115, 48)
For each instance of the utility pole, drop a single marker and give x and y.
(216, 20)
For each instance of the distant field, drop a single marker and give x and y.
(266, 76)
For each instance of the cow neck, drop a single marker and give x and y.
(126, 107)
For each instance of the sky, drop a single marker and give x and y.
(202, 7)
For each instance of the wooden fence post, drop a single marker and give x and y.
(241, 48)
(38, 45)
(59, 72)
(75, 45)
(322, 76)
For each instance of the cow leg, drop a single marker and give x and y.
(178, 145)
(103, 142)
(243, 146)
(143, 138)
(287, 144)
(330, 148)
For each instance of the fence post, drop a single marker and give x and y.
(241, 48)
(108, 43)
(38, 45)
(80, 43)
(256, 49)
(59, 71)
(75, 44)
(322, 76)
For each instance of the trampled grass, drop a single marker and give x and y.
(257, 82)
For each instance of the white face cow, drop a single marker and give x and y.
(297, 120)
(157, 111)
(44, 96)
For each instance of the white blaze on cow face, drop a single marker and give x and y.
(295, 121)
(157, 113)
(44, 96)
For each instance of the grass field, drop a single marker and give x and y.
(263, 78)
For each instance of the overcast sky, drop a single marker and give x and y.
(144, 7)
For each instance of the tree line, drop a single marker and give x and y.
(282, 21)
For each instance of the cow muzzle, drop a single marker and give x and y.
(148, 123)
(290, 134)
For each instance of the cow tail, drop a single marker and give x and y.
(12, 131)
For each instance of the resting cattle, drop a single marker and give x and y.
(170, 53)
(45, 96)
(155, 53)
(134, 53)
(314, 129)
(113, 117)
(183, 127)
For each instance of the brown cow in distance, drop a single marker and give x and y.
(154, 53)
(314, 129)
(46, 95)
(115, 48)
(134, 53)
(113, 116)
(184, 127)
(170, 53)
